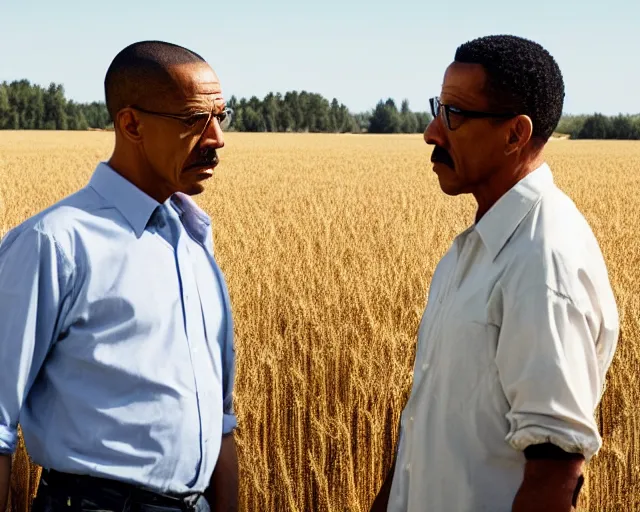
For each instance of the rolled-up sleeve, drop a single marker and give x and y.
(33, 278)
(548, 366)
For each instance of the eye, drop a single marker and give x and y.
(455, 113)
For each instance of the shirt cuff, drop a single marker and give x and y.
(8, 440)
(570, 442)
(229, 422)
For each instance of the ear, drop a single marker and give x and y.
(519, 134)
(129, 125)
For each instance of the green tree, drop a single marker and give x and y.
(292, 100)
(306, 119)
(237, 124)
(635, 124)
(35, 111)
(20, 93)
(363, 120)
(385, 118)
(270, 112)
(75, 117)
(596, 126)
(55, 117)
(623, 128)
(409, 121)
(14, 121)
(337, 116)
(253, 121)
(81, 121)
(571, 125)
(317, 116)
(285, 119)
(5, 108)
(96, 114)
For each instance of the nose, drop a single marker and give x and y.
(434, 134)
(212, 135)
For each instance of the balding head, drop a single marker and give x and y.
(142, 73)
(166, 103)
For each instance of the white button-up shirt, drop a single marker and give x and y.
(520, 328)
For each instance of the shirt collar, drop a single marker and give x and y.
(499, 223)
(193, 218)
(134, 205)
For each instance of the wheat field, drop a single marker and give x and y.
(328, 244)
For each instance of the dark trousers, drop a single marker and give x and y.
(60, 492)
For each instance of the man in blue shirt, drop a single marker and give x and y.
(116, 335)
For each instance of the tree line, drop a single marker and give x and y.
(26, 106)
(599, 126)
(310, 112)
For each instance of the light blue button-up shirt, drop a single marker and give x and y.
(116, 338)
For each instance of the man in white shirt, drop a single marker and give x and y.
(521, 323)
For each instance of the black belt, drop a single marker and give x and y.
(131, 494)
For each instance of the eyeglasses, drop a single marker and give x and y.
(436, 106)
(195, 122)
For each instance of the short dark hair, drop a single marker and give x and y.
(140, 68)
(522, 77)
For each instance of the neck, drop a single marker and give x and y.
(500, 182)
(139, 173)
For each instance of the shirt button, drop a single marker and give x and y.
(425, 366)
(407, 467)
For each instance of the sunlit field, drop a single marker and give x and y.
(328, 244)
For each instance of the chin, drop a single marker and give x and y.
(193, 189)
(193, 182)
(450, 188)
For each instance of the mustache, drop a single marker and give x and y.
(207, 158)
(440, 155)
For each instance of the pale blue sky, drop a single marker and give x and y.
(358, 51)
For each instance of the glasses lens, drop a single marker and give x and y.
(454, 118)
(225, 118)
(435, 106)
(196, 124)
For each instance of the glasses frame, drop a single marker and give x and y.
(437, 106)
(222, 117)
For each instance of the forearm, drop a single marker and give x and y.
(381, 502)
(222, 493)
(549, 486)
(5, 480)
